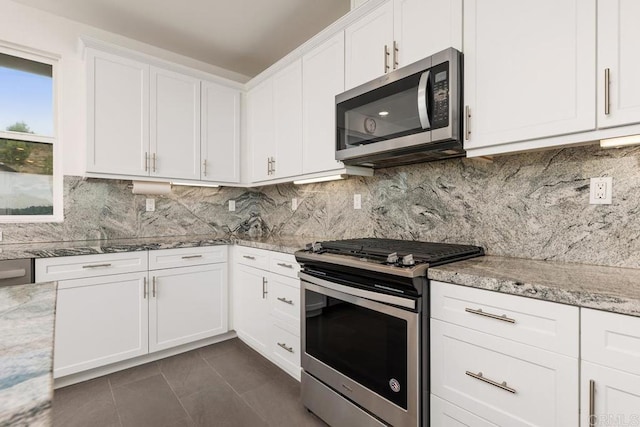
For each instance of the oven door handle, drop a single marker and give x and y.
(423, 104)
(356, 292)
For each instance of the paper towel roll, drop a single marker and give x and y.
(149, 187)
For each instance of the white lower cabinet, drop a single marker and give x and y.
(444, 414)
(103, 318)
(267, 305)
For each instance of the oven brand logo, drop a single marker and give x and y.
(394, 384)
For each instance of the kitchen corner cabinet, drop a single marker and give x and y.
(610, 374)
(267, 305)
(398, 33)
(275, 125)
(528, 74)
(618, 62)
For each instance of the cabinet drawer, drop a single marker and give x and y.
(284, 264)
(542, 324)
(286, 349)
(76, 267)
(611, 339)
(253, 257)
(284, 296)
(502, 381)
(443, 413)
(184, 257)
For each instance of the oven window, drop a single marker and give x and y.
(367, 346)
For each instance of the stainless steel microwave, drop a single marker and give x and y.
(411, 115)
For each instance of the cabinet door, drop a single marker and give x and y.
(251, 307)
(444, 414)
(100, 320)
(365, 42)
(322, 80)
(220, 148)
(117, 114)
(618, 47)
(175, 125)
(616, 396)
(261, 129)
(187, 304)
(424, 27)
(528, 69)
(287, 107)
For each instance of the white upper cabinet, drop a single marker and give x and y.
(220, 149)
(287, 108)
(369, 46)
(261, 130)
(529, 69)
(117, 114)
(175, 125)
(424, 27)
(322, 80)
(399, 33)
(618, 48)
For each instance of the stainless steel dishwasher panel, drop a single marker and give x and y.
(16, 272)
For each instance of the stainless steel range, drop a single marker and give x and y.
(365, 329)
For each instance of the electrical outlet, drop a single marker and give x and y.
(357, 201)
(151, 205)
(232, 205)
(601, 191)
(294, 204)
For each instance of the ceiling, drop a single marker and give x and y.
(245, 36)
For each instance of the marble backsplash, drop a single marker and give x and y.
(533, 205)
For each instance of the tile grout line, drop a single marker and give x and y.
(177, 397)
(115, 404)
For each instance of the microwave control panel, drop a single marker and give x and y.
(440, 97)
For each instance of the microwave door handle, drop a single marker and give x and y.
(423, 110)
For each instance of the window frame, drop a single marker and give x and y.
(58, 180)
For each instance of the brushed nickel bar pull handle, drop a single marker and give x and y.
(252, 258)
(269, 166)
(191, 256)
(284, 345)
(395, 55)
(146, 161)
(204, 165)
(286, 301)
(264, 288)
(146, 289)
(282, 264)
(273, 165)
(386, 59)
(502, 385)
(607, 91)
(479, 312)
(96, 265)
(154, 159)
(154, 287)
(467, 123)
(592, 403)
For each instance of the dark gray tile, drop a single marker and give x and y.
(278, 402)
(86, 404)
(217, 349)
(244, 369)
(220, 406)
(149, 402)
(188, 373)
(134, 374)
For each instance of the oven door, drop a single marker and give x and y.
(362, 347)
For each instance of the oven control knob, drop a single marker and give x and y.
(407, 260)
(392, 258)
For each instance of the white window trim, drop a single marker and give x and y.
(58, 175)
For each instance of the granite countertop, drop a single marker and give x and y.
(286, 244)
(26, 354)
(612, 289)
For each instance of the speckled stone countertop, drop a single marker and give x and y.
(288, 244)
(612, 289)
(26, 354)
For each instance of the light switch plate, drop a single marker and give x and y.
(151, 205)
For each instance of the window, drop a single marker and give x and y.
(30, 179)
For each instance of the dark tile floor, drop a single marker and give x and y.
(225, 384)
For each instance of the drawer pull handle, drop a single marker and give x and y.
(479, 312)
(283, 345)
(592, 403)
(264, 288)
(96, 265)
(282, 264)
(286, 301)
(249, 257)
(191, 256)
(502, 385)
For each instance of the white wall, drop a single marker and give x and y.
(34, 29)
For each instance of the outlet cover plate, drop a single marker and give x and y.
(294, 204)
(151, 205)
(601, 191)
(232, 205)
(357, 201)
